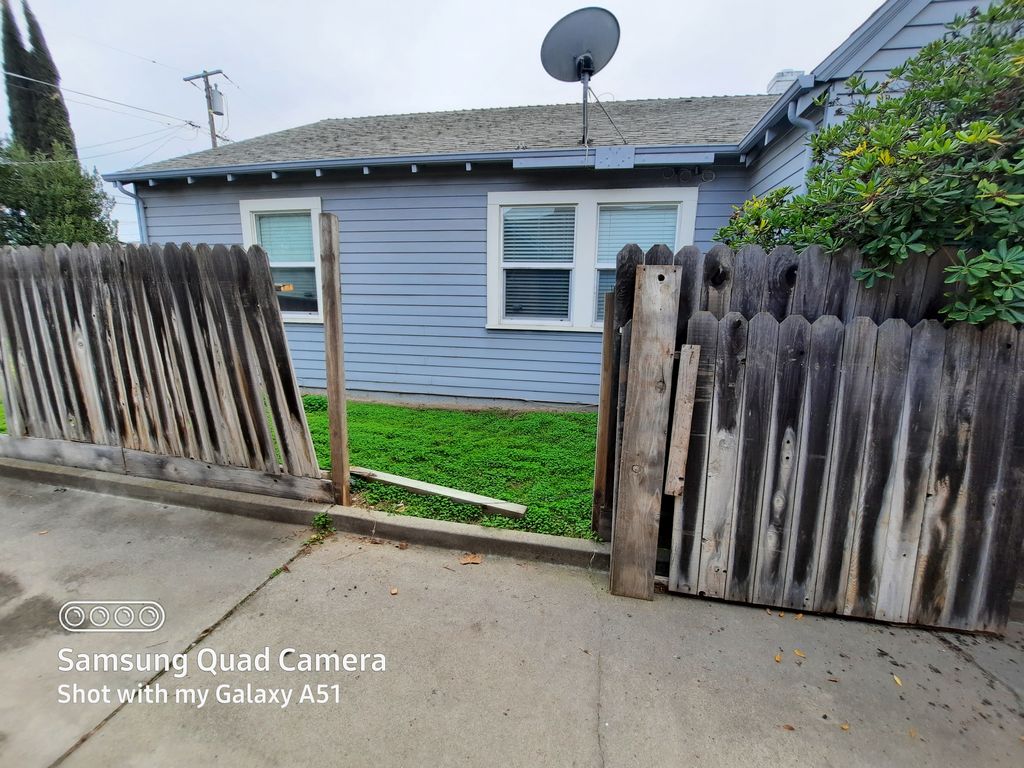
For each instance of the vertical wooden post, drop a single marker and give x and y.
(334, 345)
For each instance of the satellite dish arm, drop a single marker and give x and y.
(585, 68)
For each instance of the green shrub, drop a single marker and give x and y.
(929, 157)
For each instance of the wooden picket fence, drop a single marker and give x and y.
(160, 361)
(830, 459)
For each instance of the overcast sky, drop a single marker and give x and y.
(301, 61)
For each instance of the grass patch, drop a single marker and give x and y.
(540, 459)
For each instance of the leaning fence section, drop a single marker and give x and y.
(160, 361)
(833, 450)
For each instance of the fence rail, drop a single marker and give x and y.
(162, 361)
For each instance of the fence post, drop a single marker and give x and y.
(330, 277)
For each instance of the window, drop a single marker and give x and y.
(287, 230)
(551, 255)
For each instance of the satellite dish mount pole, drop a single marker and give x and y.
(585, 68)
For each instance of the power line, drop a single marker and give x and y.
(99, 98)
(105, 109)
(179, 70)
(126, 138)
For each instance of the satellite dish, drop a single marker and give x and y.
(579, 46)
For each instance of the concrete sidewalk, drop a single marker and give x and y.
(501, 663)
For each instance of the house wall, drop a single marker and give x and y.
(413, 261)
(783, 162)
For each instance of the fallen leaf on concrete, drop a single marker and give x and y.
(788, 727)
(471, 558)
(768, 611)
(799, 616)
(394, 590)
(778, 658)
(912, 733)
(845, 726)
(585, 651)
(833, 679)
(403, 545)
(798, 652)
(42, 533)
(896, 679)
(285, 569)
(782, 614)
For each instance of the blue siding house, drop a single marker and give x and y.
(476, 244)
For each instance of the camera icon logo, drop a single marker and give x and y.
(111, 616)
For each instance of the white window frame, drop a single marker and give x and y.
(250, 209)
(583, 280)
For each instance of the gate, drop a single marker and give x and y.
(832, 448)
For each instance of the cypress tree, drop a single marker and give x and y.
(50, 112)
(19, 95)
(39, 117)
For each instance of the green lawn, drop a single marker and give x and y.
(543, 460)
(540, 459)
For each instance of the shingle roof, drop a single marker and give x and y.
(648, 122)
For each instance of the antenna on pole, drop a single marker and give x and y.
(214, 99)
(579, 46)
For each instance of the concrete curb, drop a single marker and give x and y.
(366, 522)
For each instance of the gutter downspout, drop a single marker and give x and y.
(809, 128)
(140, 210)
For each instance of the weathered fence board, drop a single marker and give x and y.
(755, 417)
(175, 356)
(818, 408)
(723, 455)
(688, 512)
(784, 441)
(645, 431)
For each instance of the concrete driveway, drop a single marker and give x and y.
(500, 663)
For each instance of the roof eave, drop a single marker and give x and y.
(649, 151)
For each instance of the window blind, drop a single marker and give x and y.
(538, 233)
(643, 224)
(537, 293)
(286, 237)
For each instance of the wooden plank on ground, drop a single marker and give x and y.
(679, 443)
(755, 421)
(846, 453)
(489, 505)
(606, 411)
(818, 410)
(778, 499)
(880, 467)
(688, 511)
(723, 435)
(749, 281)
(910, 491)
(996, 369)
(642, 472)
(944, 513)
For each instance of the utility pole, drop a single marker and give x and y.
(211, 108)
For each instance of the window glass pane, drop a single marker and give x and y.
(286, 236)
(302, 297)
(643, 224)
(605, 284)
(538, 233)
(540, 293)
